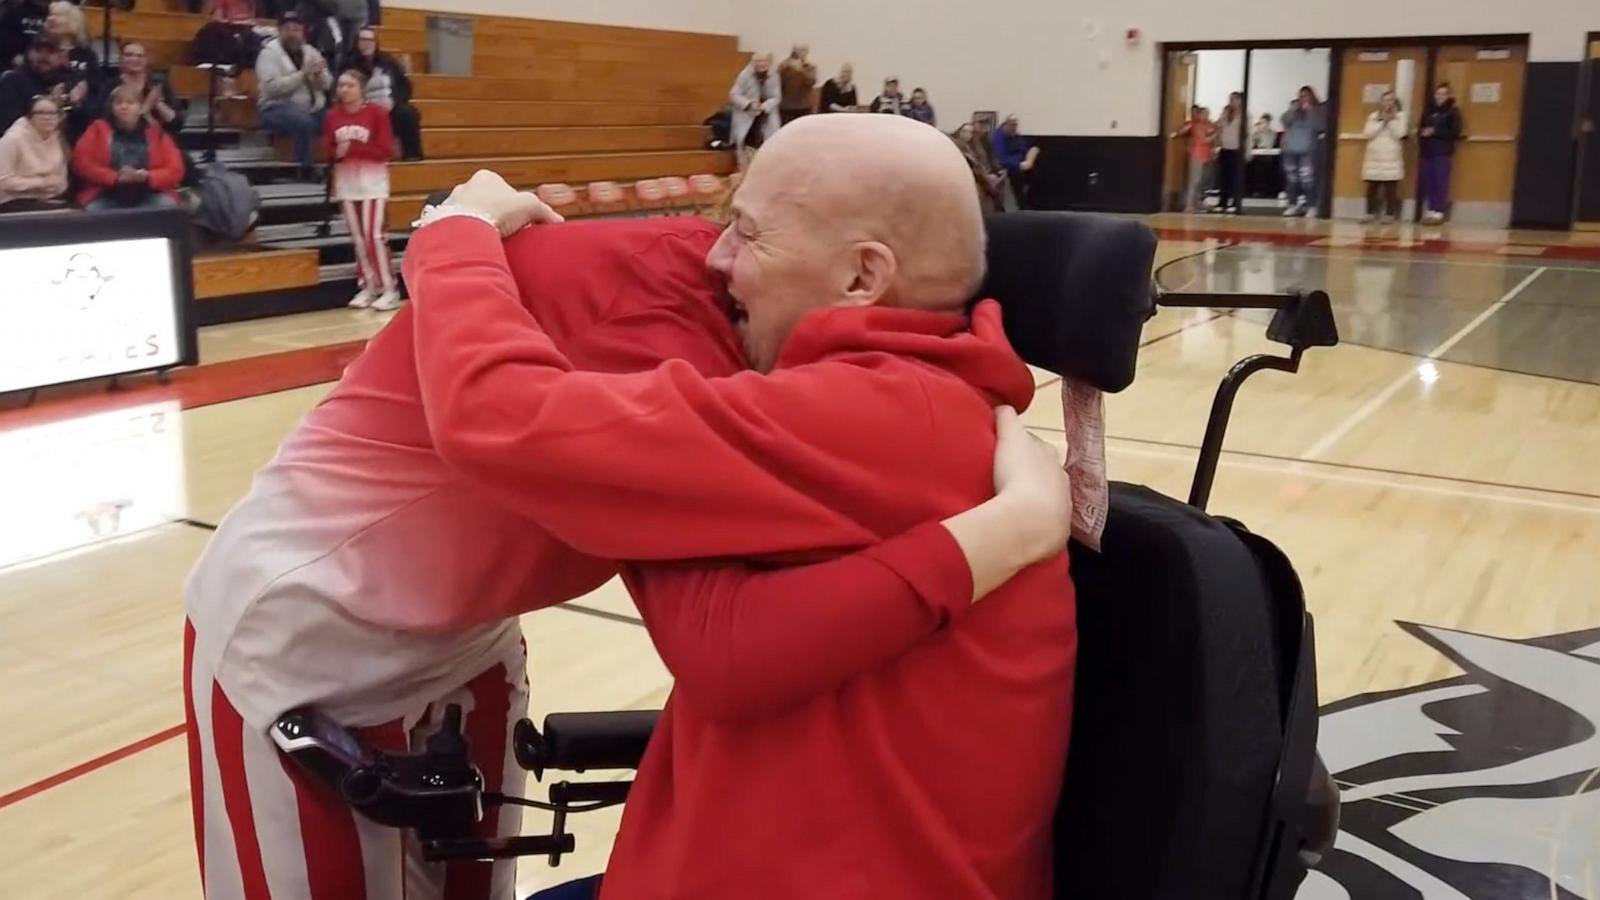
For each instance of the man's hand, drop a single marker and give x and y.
(1029, 479)
(489, 195)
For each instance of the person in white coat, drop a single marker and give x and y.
(755, 96)
(1384, 165)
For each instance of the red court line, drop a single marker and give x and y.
(199, 386)
(1499, 250)
(99, 762)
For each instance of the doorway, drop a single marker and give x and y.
(1366, 75)
(1589, 141)
(1487, 81)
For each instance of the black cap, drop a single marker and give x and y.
(289, 15)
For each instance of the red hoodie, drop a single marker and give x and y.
(91, 160)
(366, 134)
(934, 775)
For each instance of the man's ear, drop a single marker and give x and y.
(874, 270)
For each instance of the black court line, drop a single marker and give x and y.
(602, 614)
(1476, 482)
(196, 523)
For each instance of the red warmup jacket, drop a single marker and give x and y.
(91, 160)
(366, 133)
(933, 774)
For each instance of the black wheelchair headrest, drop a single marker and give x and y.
(1075, 290)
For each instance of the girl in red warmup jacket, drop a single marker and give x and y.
(357, 137)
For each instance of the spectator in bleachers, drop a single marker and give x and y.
(160, 103)
(125, 161)
(891, 101)
(1017, 156)
(20, 22)
(389, 87)
(294, 83)
(920, 109)
(797, 77)
(357, 138)
(839, 93)
(44, 72)
(67, 25)
(33, 160)
(351, 16)
(755, 97)
(990, 185)
(230, 38)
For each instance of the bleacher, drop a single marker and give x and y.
(548, 103)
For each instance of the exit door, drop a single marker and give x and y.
(1366, 75)
(1488, 82)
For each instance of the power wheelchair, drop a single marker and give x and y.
(1193, 772)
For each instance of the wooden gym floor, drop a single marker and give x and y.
(1438, 469)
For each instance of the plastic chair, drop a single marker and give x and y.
(650, 194)
(562, 198)
(708, 190)
(607, 198)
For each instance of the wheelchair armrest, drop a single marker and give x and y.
(578, 742)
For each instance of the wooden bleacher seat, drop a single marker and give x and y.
(252, 272)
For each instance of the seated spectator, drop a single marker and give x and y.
(1017, 156)
(161, 105)
(20, 22)
(839, 94)
(990, 186)
(125, 161)
(67, 25)
(797, 76)
(230, 38)
(33, 160)
(891, 101)
(920, 109)
(389, 87)
(43, 72)
(294, 86)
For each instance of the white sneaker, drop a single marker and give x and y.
(361, 300)
(1293, 211)
(1369, 219)
(390, 300)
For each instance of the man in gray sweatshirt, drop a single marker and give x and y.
(294, 82)
(1303, 127)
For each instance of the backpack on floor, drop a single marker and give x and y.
(228, 206)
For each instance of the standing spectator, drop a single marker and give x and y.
(161, 104)
(797, 76)
(990, 185)
(67, 25)
(983, 149)
(389, 87)
(20, 22)
(1384, 163)
(1233, 149)
(357, 137)
(1017, 156)
(1441, 129)
(891, 101)
(1303, 127)
(839, 93)
(755, 107)
(294, 83)
(920, 109)
(351, 16)
(1202, 136)
(44, 73)
(125, 162)
(33, 160)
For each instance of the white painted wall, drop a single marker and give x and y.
(714, 16)
(1277, 75)
(1066, 68)
(1218, 74)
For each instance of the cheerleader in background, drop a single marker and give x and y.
(357, 137)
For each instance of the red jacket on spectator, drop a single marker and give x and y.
(91, 160)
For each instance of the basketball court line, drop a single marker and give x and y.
(84, 768)
(1327, 441)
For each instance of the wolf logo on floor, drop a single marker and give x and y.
(1482, 787)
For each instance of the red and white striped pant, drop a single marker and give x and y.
(267, 830)
(369, 233)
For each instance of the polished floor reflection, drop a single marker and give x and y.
(1433, 478)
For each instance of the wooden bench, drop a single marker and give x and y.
(548, 29)
(250, 272)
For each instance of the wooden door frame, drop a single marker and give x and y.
(1336, 46)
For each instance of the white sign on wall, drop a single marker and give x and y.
(72, 483)
(1373, 93)
(89, 310)
(1486, 92)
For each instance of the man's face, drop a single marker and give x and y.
(292, 34)
(845, 74)
(762, 65)
(777, 263)
(1441, 96)
(891, 88)
(46, 59)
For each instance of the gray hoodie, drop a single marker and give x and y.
(282, 83)
(1301, 127)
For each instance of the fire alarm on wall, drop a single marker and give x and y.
(1133, 37)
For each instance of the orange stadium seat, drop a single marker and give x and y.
(607, 197)
(562, 198)
(679, 197)
(708, 190)
(650, 194)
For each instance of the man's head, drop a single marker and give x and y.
(849, 211)
(847, 73)
(799, 52)
(1010, 125)
(761, 63)
(46, 55)
(291, 31)
(1442, 93)
(891, 87)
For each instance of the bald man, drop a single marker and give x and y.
(374, 571)
(854, 247)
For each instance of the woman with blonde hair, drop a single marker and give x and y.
(1384, 164)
